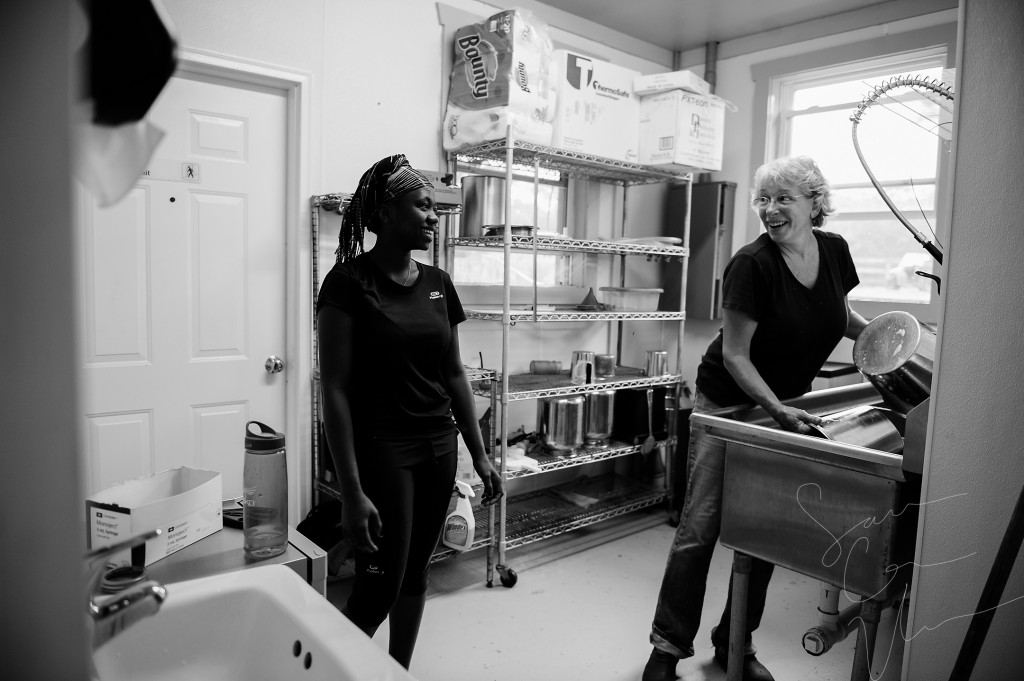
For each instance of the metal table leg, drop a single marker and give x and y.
(870, 613)
(738, 615)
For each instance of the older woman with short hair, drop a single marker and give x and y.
(785, 308)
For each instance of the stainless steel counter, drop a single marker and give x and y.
(222, 552)
(826, 509)
(840, 513)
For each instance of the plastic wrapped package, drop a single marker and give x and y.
(499, 78)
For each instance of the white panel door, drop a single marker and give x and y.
(183, 291)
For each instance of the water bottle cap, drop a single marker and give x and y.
(267, 439)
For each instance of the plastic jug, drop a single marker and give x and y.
(460, 525)
(265, 483)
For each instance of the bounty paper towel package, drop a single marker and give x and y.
(682, 130)
(499, 78)
(597, 112)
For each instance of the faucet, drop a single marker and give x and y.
(109, 615)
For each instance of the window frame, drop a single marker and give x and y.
(768, 134)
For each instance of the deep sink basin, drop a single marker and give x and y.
(260, 623)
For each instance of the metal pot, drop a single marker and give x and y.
(863, 426)
(897, 353)
(600, 414)
(560, 422)
(483, 203)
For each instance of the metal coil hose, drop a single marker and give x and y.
(927, 84)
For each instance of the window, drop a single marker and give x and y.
(904, 138)
(486, 267)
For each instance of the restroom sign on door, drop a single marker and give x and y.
(190, 172)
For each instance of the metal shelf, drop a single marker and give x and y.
(573, 316)
(583, 456)
(337, 202)
(536, 386)
(573, 164)
(552, 243)
(550, 512)
(553, 511)
(532, 387)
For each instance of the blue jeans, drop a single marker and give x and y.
(681, 599)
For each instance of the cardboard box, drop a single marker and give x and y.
(682, 130)
(597, 112)
(443, 194)
(673, 80)
(184, 503)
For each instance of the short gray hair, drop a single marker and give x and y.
(802, 173)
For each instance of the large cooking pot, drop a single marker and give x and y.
(600, 415)
(864, 426)
(483, 203)
(560, 422)
(896, 353)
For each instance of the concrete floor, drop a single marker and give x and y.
(582, 609)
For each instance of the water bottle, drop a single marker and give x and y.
(265, 483)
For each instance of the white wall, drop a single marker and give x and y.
(40, 489)
(975, 469)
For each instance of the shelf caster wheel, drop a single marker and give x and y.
(507, 575)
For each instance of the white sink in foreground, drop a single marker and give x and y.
(260, 623)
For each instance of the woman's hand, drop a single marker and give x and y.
(360, 522)
(493, 488)
(795, 420)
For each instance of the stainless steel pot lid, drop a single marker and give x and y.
(887, 342)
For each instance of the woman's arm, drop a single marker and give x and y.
(465, 416)
(855, 322)
(359, 517)
(737, 332)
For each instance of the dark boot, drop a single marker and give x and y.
(405, 617)
(661, 666)
(753, 670)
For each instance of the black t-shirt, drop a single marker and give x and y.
(797, 327)
(401, 338)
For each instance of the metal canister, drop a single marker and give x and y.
(560, 422)
(604, 366)
(600, 414)
(483, 203)
(581, 367)
(656, 363)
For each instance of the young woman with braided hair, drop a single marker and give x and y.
(395, 397)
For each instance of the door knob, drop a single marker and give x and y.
(274, 364)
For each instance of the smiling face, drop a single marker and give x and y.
(784, 211)
(409, 220)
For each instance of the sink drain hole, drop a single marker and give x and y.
(297, 648)
(308, 661)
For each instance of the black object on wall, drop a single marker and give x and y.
(711, 224)
(132, 55)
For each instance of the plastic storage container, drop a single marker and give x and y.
(626, 299)
(265, 484)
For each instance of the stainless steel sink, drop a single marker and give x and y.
(829, 510)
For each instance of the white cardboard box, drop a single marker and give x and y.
(682, 130)
(184, 503)
(673, 80)
(597, 111)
